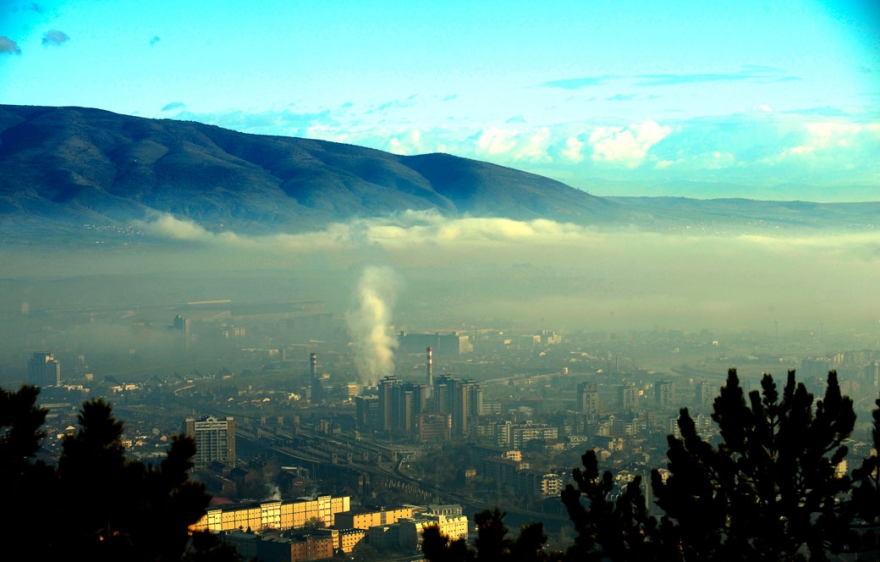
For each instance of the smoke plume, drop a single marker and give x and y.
(369, 323)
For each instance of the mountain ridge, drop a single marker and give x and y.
(65, 167)
(80, 163)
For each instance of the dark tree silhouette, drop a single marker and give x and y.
(98, 505)
(770, 490)
(26, 487)
(491, 542)
(618, 530)
(866, 488)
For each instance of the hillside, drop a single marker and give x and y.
(71, 166)
(66, 167)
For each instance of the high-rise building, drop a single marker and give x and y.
(587, 398)
(704, 394)
(215, 439)
(387, 403)
(665, 394)
(367, 412)
(628, 397)
(400, 404)
(43, 370)
(461, 398)
(182, 325)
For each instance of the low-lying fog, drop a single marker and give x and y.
(481, 271)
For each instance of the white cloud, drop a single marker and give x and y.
(414, 229)
(495, 141)
(628, 145)
(573, 148)
(758, 148)
(536, 147)
(406, 144)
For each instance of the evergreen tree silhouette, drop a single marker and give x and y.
(26, 487)
(98, 505)
(770, 490)
(866, 489)
(491, 543)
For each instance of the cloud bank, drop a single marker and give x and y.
(831, 152)
(494, 269)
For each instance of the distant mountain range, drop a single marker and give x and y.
(65, 167)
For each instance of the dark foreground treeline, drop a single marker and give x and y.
(775, 488)
(96, 505)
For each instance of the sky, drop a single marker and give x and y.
(701, 99)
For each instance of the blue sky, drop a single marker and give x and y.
(687, 98)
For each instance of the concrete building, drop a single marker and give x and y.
(628, 397)
(400, 404)
(273, 515)
(664, 392)
(349, 538)
(43, 370)
(445, 345)
(364, 519)
(463, 399)
(367, 412)
(521, 434)
(587, 398)
(434, 427)
(300, 547)
(409, 534)
(215, 439)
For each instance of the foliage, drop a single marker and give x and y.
(866, 487)
(770, 490)
(491, 542)
(98, 505)
(619, 530)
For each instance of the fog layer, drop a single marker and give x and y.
(494, 271)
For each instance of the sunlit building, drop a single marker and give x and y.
(215, 439)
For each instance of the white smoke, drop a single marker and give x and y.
(368, 324)
(274, 493)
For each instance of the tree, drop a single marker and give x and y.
(771, 490)
(98, 505)
(26, 487)
(491, 542)
(619, 530)
(866, 487)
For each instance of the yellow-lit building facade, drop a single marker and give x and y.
(273, 515)
(366, 519)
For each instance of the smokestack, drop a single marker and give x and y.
(430, 369)
(313, 357)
